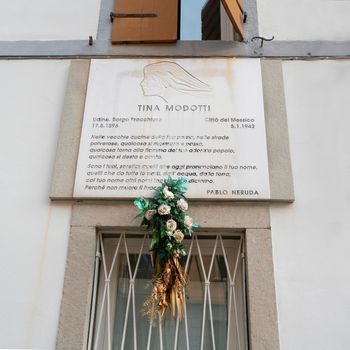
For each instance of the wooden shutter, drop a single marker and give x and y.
(159, 25)
(234, 11)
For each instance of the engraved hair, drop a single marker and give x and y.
(172, 75)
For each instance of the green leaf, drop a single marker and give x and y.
(163, 255)
(154, 242)
(140, 202)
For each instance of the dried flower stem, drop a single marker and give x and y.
(168, 290)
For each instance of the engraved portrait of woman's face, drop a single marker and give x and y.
(169, 80)
(151, 86)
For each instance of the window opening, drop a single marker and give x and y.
(142, 21)
(191, 22)
(206, 20)
(215, 313)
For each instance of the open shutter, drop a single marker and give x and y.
(234, 10)
(145, 21)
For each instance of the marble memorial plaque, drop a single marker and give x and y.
(147, 119)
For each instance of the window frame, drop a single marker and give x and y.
(110, 247)
(89, 219)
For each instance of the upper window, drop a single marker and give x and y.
(215, 313)
(136, 21)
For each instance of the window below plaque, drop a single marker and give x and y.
(216, 294)
(143, 21)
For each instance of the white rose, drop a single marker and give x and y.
(169, 233)
(188, 222)
(149, 214)
(182, 204)
(179, 236)
(164, 209)
(167, 193)
(171, 225)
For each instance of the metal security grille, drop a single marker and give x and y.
(215, 312)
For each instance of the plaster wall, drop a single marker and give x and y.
(34, 233)
(311, 240)
(305, 19)
(310, 237)
(48, 19)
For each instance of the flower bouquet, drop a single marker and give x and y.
(165, 215)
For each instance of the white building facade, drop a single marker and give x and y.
(301, 230)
